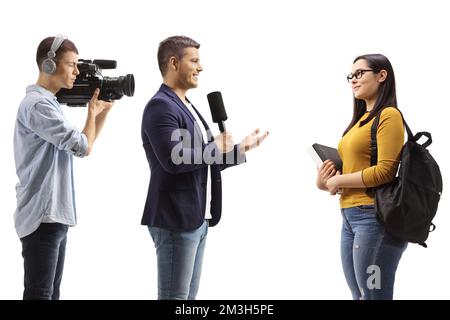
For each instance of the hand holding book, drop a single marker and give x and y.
(325, 174)
(320, 153)
(330, 187)
(328, 165)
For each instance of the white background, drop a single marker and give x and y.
(281, 66)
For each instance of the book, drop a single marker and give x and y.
(319, 153)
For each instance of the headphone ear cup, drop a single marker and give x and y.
(49, 66)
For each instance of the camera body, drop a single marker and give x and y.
(91, 78)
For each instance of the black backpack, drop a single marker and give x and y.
(407, 205)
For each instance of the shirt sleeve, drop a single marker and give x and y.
(390, 139)
(233, 158)
(50, 124)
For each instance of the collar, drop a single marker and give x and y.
(41, 90)
(167, 90)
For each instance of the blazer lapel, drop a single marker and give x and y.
(176, 99)
(183, 107)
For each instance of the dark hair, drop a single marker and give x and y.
(386, 91)
(173, 47)
(46, 44)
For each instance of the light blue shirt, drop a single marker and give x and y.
(44, 145)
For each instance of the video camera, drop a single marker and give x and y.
(90, 78)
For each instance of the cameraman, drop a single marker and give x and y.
(44, 145)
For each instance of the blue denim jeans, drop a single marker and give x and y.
(179, 258)
(369, 255)
(43, 254)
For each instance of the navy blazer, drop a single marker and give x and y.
(176, 197)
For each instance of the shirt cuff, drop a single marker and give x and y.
(80, 149)
(367, 175)
(240, 157)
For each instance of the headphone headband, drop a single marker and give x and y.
(49, 64)
(57, 42)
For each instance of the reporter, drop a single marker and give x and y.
(184, 196)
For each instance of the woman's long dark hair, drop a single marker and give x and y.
(386, 91)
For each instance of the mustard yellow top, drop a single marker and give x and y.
(354, 150)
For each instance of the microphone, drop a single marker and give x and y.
(218, 113)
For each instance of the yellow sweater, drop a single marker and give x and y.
(354, 150)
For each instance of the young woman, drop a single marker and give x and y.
(369, 255)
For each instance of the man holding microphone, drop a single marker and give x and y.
(185, 192)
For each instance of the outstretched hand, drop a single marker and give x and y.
(252, 141)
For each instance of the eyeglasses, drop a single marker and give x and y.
(358, 74)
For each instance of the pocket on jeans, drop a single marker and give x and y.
(366, 208)
(155, 232)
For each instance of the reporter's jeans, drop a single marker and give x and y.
(43, 254)
(179, 258)
(369, 255)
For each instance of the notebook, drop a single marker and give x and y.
(319, 153)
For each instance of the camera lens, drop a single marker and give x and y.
(127, 84)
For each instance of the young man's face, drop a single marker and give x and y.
(189, 68)
(66, 70)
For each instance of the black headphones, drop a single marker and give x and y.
(49, 64)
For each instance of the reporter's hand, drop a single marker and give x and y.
(98, 106)
(252, 141)
(324, 173)
(224, 142)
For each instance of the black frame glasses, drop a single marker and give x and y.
(359, 73)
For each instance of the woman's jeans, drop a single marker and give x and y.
(43, 254)
(369, 255)
(179, 257)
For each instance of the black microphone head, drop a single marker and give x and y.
(217, 108)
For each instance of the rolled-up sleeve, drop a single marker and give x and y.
(50, 124)
(390, 138)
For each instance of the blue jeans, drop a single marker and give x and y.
(43, 254)
(369, 255)
(179, 257)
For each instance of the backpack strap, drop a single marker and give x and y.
(373, 149)
(417, 136)
(373, 137)
(373, 141)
